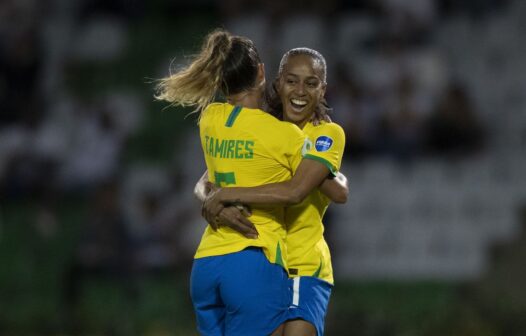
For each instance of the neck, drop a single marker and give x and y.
(300, 124)
(250, 99)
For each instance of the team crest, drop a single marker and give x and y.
(307, 145)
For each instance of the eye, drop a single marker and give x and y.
(312, 85)
(290, 81)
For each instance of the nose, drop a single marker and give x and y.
(300, 88)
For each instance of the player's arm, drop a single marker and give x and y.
(309, 175)
(336, 189)
(234, 217)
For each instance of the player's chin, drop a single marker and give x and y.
(295, 114)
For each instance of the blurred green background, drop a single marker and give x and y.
(43, 223)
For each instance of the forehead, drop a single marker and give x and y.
(303, 65)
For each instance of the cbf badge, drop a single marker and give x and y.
(307, 145)
(323, 143)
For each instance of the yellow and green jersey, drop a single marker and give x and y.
(245, 148)
(308, 253)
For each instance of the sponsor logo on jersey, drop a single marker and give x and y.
(323, 143)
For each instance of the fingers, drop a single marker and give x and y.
(246, 225)
(211, 220)
(245, 210)
(212, 203)
(210, 211)
(234, 219)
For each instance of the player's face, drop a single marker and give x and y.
(301, 88)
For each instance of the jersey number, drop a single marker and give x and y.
(223, 179)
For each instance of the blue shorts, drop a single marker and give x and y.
(239, 293)
(310, 298)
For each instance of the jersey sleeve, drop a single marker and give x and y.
(328, 143)
(296, 147)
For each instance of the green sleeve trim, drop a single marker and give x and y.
(317, 273)
(329, 165)
(233, 115)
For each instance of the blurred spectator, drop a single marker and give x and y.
(453, 129)
(181, 217)
(154, 246)
(126, 9)
(172, 228)
(95, 148)
(25, 170)
(104, 247)
(402, 124)
(356, 111)
(163, 218)
(20, 64)
(477, 9)
(406, 20)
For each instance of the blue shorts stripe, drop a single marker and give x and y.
(310, 299)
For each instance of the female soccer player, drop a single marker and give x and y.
(238, 285)
(300, 89)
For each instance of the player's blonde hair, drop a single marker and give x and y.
(226, 63)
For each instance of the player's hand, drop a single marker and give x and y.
(212, 206)
(234, 217)
(209, 187)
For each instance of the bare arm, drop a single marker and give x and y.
(309, 175)
(336, 189)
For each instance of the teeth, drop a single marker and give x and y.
(298, 102)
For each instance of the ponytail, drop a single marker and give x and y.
(197, 84)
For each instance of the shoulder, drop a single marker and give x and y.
(326, 129)
(291, 128)
(331, 126)
(271, 124)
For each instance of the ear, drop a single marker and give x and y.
(260, 78)
(323, 88)
(261, 72)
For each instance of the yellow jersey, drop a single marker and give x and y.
(245, 148)
(308, 252)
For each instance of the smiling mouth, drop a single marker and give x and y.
(298, 104)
